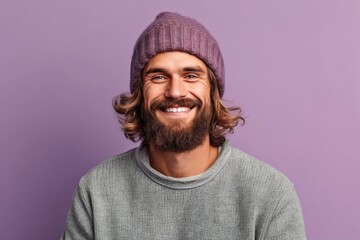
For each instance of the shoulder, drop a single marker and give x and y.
(257, 180)
(110, 171)
(262, 186)
(255, 170)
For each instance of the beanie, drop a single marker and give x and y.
(174, 32)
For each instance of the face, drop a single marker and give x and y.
(177, 107)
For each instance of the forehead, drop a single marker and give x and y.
(175, 60)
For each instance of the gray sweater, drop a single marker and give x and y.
(238, 197)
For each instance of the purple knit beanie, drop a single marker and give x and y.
(174, 32)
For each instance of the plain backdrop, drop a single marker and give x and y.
(292, 66)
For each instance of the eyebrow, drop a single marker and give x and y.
(196, 69)
(155, 70)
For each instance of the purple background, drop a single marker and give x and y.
(293, 67)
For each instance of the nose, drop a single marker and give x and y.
(176, 88)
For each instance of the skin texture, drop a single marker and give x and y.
(175, 76)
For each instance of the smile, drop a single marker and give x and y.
(177, 109)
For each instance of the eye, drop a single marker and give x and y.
(191, 76)
(158, 78)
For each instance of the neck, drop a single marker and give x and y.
(183, 164)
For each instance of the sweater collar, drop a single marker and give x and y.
(142, 159)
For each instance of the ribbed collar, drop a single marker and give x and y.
(142, 159)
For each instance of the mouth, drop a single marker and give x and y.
(177, 109)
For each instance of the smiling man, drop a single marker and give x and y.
(184, 181)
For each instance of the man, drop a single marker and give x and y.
(185, 181)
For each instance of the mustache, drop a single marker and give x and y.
(167, 103)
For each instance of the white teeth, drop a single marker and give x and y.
(179, 109)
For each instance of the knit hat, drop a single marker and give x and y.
(174, 32)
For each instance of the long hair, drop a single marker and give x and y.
(128, 106)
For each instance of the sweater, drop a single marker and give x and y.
(238, 197)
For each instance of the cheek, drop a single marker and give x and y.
(202, 92)
(151, 93)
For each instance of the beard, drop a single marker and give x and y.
(177, 135)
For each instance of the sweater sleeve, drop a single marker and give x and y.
(287, 220)
(79, 222)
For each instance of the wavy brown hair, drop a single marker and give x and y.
(224, 119)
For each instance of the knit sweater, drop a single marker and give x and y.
(238, 197)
